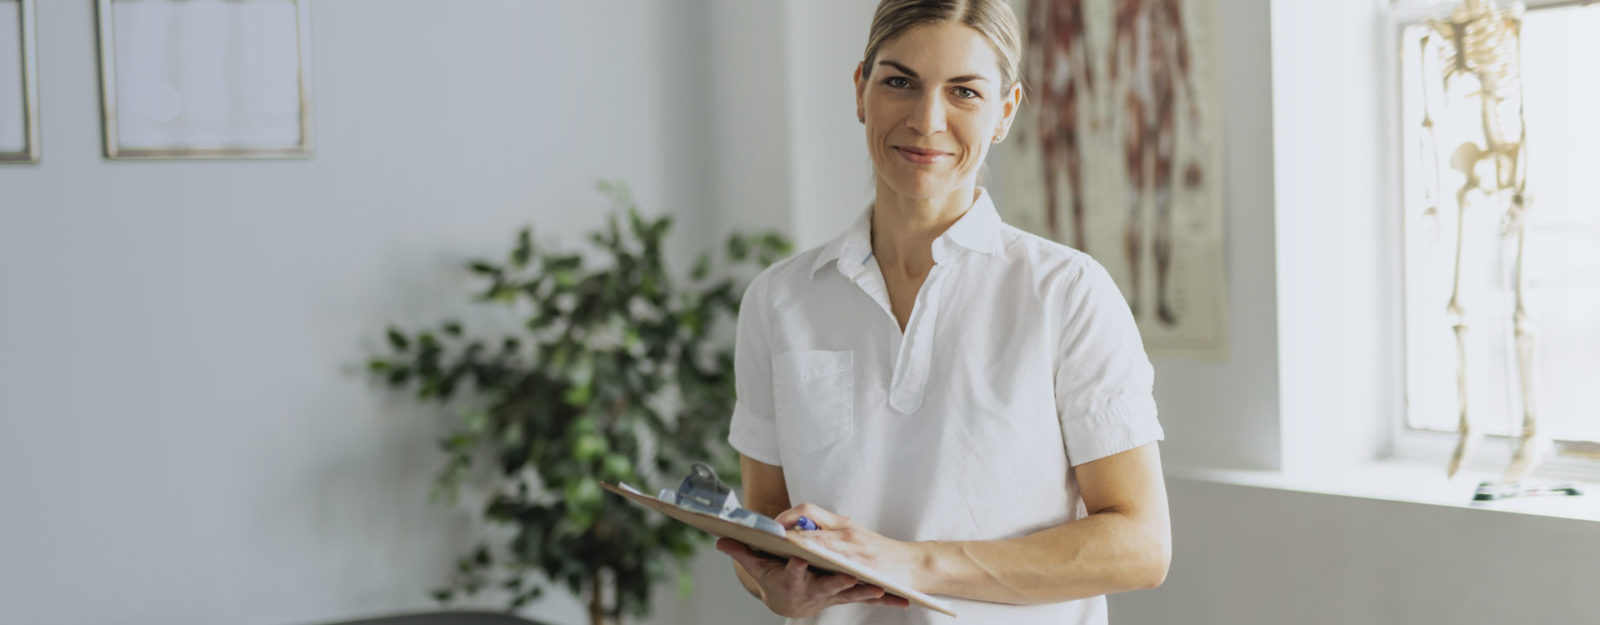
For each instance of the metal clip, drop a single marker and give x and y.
(701, 491)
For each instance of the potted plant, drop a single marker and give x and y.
(622, 371)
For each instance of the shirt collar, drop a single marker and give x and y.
(978, 230)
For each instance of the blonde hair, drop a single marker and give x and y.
(991, 18)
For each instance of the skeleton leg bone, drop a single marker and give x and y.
(1464, 159)
(1532, 447)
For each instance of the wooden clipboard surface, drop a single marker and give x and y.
(815, 555)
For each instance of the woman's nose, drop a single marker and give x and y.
(928, 116)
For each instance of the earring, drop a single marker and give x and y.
(861, 118)
(997, 138)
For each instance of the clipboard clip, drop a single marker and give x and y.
(701, 491)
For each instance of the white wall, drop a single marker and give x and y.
(185, 435)
(1254, 556)
(1337, 231)
(751, 149)
(832, 174)
(1225, 413)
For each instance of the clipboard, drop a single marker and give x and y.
(788, 547)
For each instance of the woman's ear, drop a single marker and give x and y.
(861, 92)
(1008, 114)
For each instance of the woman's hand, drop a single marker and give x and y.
(791, 590)
(899, 560)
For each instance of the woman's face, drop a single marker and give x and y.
(933, 104)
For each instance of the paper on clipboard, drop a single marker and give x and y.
(816, 555)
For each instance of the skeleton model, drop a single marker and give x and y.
(1150, 55)
(1060, 66)
(1482, 43)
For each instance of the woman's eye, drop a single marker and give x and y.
(898, 82)
(965, 93)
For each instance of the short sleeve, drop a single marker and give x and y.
(753, 431)
(1104, 381)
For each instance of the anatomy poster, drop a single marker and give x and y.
(1118, 152)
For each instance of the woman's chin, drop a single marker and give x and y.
(920, 185)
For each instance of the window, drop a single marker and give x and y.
(1561, 246)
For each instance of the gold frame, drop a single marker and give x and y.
(30, 88)
(108, 94)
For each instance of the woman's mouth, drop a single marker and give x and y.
(920, 156)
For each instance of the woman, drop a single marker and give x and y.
(953, 401)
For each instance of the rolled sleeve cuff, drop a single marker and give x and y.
(754, 435)
(1127, 423)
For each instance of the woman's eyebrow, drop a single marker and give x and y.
(907, 71)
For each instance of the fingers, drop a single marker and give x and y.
(823, 518)
(833, 588)
(859, 592)
(827, 584)
(871, 595)
(890, 601)
(747, 558)
(735, 549)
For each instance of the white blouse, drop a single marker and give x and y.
(1020, 361)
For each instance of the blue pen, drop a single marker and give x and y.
(806, 524)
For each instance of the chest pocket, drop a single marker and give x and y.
(814, 393)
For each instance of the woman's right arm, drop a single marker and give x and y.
(764, 492)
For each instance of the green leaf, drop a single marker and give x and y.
(399, 376)
(584, 424)
(585, 492)
(483, 268)
(616, 467)
(452, 328)
(776, 243)
(636, 224)
(398, 341)
(477, 420)
(702, 267)
(738, 248)
(524, 250)
(587, 447)
(578, 396)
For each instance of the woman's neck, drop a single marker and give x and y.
(903, 228)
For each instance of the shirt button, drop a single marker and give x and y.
(905, 402)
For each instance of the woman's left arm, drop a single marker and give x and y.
(1125, 543)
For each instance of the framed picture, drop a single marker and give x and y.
(205, 78)
(1120, 155)
(19, 85)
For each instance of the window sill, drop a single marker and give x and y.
(1408, 482)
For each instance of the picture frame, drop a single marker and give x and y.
(19, 84)
(198, 79)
